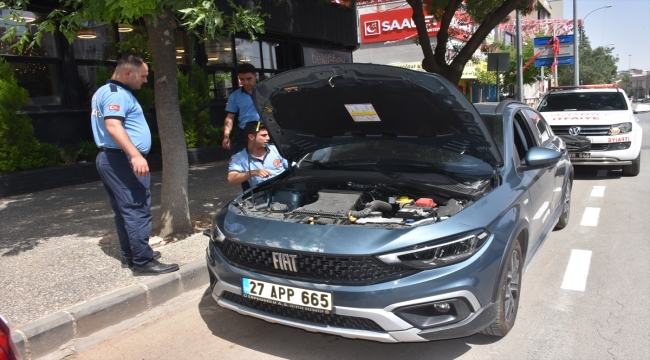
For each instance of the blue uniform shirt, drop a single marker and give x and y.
(240, 102)
(115, 100)
(272, 162)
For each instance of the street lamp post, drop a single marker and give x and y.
(629, 75)
(576, 39)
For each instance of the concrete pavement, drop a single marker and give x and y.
(60, 260)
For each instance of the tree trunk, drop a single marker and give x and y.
(174, 207)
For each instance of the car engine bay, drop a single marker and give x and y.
(353, 204)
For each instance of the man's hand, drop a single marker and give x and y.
(226, 143)
(263, 173)
(140, 166)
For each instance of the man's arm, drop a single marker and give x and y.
(121, 138)
(236, 177)
(227, 127)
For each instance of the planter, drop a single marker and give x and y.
(23, 182)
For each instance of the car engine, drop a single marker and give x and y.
(352, 204)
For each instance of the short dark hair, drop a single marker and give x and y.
(253, 127)
(130, 60)
(246, 68)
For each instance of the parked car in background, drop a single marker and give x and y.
(602, 114)
(409, 215)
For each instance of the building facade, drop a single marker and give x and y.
(61, 77)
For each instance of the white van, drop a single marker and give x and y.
(604, 115)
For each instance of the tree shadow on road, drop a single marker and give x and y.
(291, 343)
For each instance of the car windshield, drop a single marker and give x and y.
(395, 156)
(585, 101)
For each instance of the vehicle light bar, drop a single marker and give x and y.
(599, 86)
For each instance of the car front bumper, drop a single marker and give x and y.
(227, 292)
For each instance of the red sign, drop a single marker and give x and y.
(114, 107)
(398, 25)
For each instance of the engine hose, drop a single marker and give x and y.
(370, 207)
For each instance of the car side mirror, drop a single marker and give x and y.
(539, 157)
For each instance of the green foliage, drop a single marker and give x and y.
(18, 146)
(88, 150)
(68, 154)
(49, 153)
(531, 73)
(193, 97)
(597, 66)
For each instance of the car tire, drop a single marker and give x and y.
(634, 169)
(563, 221)
(509, 294)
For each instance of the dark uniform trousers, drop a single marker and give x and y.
(130, 197)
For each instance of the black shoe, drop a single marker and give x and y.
(129, 261)
(154, 267)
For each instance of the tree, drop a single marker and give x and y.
(597, 66)
(487, 14)
(509, 77)
(161, 18)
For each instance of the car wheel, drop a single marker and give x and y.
(509, 294)
(566, 208)
(634, 169)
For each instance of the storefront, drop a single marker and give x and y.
(61, 77)
(387, 34)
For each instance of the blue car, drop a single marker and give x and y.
(408, 214)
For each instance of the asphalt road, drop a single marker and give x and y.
(610, 318)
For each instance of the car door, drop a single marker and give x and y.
(547, 139)
(540, 182)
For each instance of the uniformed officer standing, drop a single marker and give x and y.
(259, 161)
(240, 102)
(123, 137)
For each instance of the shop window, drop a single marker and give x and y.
(40, 80)
(90, 79)
(248, 52)
(268, 54)
(186, 47)
(48, 45)
(219, 52)
(221, 85)
(95, 41)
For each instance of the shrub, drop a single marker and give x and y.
(19, 149)
(49, 153)
(193, 97)
(87, 150)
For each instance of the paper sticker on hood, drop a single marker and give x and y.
(362, 112)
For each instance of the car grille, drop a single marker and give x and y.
(345, 270)
(599, 147)
(585, 130)
(340, 321)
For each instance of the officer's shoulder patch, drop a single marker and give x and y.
(113, 87)
(230, 160)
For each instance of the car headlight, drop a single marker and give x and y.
(216, 234)
(620, 128)
(439, 253)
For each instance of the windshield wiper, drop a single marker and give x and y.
(316, 162)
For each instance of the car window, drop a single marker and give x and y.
(583, 101)
(522, 137)
(495, 124)
(540, 128)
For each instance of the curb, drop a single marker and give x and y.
(66, 327)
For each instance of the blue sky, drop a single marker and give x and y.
(626, 25)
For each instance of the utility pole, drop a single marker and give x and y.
(520, 75)
(576, 47)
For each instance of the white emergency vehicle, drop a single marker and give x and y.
(604, 115)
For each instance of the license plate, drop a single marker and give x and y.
(288, 296)
(580, 155)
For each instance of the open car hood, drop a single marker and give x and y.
(320, 106)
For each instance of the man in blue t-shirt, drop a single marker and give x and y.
(123, 137)
(240, 103)
(259, 161)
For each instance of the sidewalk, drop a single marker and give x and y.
(58, 247)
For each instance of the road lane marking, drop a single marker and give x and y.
(602, 173)
(590, 217)
(575, 277)
(598, 191)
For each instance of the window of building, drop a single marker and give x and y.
(37, 69)
(219, 52)
(248, 52)
(95, 41)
